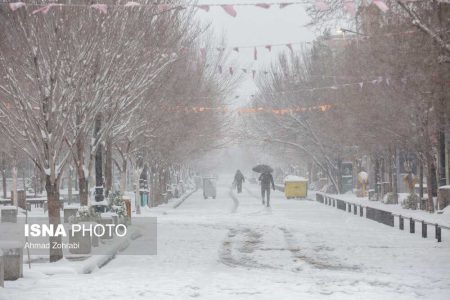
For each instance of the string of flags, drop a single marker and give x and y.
(249, 110)
(267, 47)
(388, 80)
(375, 81)
(324, 107)
(258, 49)
(348, 6)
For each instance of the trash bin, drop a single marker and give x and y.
(209, 187)
(295, 187)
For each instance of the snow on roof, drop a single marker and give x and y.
(444, 187)
(294, 178)
(363, 175)
(8, 207)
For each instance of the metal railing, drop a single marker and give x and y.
(381, 216)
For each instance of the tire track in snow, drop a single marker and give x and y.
(238, 247)
(318, 263)
(235, 200)
(251, 193)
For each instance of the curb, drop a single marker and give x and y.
(98, 261)
(184, 198)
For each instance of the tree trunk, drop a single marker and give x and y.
(4, 184)
(54, 216)
(83, 182)
(137, 173)
(152, 186)
(98, 163)
(394, 176)
(123, 176)
(36, 181)
(377, 177)
(443, 98)
(310, 171)
(4, 180)
(3, 171)
(23, 181)
(108, 167)
(430, 171)
(421, 179)
(14, 187)
(83, 190)
(339, 175)
(441, 153)
(69, 183)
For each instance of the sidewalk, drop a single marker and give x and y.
(442, 219)
(82, 264)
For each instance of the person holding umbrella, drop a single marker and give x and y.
(266, 180)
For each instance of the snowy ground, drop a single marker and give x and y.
(235, 249)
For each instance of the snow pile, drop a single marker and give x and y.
(446, 211)
(72, 205)
(363, 176)
(291, 178)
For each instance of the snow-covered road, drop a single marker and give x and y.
(236, 249)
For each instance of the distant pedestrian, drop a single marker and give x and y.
(266, 180)
(238, 180)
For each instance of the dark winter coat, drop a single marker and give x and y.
(239, 177)
(266, 179)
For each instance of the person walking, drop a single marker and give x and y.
(266, 180)
(238, 180)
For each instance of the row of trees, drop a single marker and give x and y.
(92, 91)
(384, 92)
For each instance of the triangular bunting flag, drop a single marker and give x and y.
(44, 10)
(269, 47)
(290, 47)
(283, 5)
(164, 7)
(204, 7)
(255, 54)
(236, 49)
(131, 4)
(229, 9)
(16, 5)
(102, 8)
(381, 5)
(263, 5)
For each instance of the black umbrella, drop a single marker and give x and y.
(262, 169)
